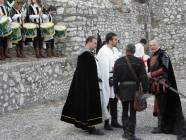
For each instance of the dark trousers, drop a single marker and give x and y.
(161, 101)
(4, 41)
(113, 109)
(38, 40)
(50, 43)
(129, 118)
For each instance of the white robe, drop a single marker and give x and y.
(139, 50)
(117, 54)
(106, 61)
(140, 53)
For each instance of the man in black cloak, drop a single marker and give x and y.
(168, 109)
(83, 104)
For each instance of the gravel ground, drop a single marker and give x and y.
(42, 122)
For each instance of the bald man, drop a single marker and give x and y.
(168, 109)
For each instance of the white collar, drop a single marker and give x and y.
(35, 5)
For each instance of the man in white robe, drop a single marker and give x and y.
(106, 59)
(140, 51)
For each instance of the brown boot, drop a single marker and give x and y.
(5, 51)
(41, 53)
(54, 52)
(37, 52)
(21, 52)
(18, 54)
(49, 52)
(1, 53)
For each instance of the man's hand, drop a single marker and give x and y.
(117, 97)
(149, 75)
(40, 14)
(1, 14)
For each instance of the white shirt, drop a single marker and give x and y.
(106, 62)
(140, 53)
(139, 50)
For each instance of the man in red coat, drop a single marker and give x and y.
(169, 109)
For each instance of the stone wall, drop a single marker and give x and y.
(171, 31)
(165, 20)
(84, 18)
(167, 23)
(23, 84)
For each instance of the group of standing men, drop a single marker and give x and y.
(99, 81)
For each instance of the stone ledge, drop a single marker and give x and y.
(23, 84)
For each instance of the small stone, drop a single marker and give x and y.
(65, 73)
(13, 101)
(5, 105)
(22, 89)
(172, 17)
(53, 82)
(21, 101)
(10, 108)
(50, 71)
(12, 83)
(71, 11)
(179, 16)
(16, 76)
(16, 90)
(5, 77)
(12, 94)
(6, 98)
(70, 18)
(60, 10)
(5, 86)
(166, 20)
(29, 79)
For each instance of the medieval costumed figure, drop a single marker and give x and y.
(106, 60)
(168, 107)
(51, 51)
(126, 82)
(83, 104)
(17, 17)
(4, 13)
(140, 52)
(35, 15)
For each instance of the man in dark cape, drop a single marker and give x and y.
(83, 104)
(168, 109)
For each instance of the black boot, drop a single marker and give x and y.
(94, 131)
(158, 129)
(6, 51)
(114, 113)
(2, 57)
(107, 125)
(21, 50)
(131, 131)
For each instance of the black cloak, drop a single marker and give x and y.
(172, 116)
(83, 104)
